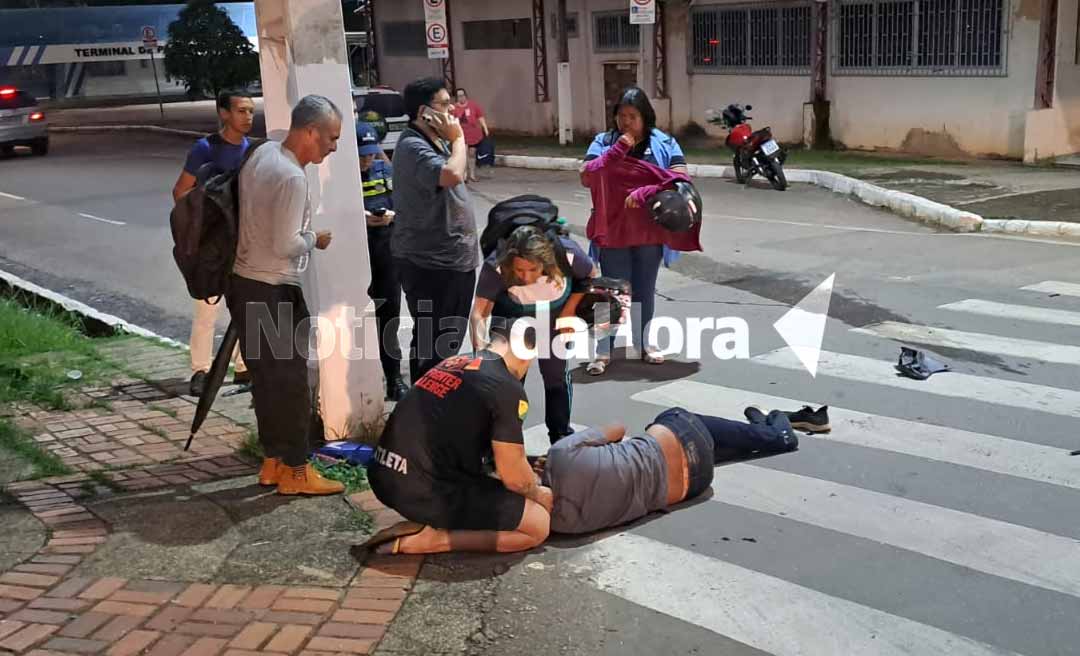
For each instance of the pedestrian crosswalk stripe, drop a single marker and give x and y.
(762, 611)
(1010, 311)
(986, 545)
(1055, 287)
(537, 441)
(982, 342)
(1000, 455)
(1013, 394)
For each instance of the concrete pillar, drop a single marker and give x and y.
(302, 51)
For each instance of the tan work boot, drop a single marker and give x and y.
(306, 480)
(269, 473)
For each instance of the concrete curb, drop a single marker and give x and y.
(94, 318)
(907, 205)
(128, 128)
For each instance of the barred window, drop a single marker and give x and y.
(510, 34)
(768, 39)
(612, 32)
(920, 37)
(404, 39)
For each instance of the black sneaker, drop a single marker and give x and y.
(778, 421)
(197, 384)
(754, 415)
(810, 420)
(396, 390)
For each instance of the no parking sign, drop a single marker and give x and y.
(642, 12)
(436, 30)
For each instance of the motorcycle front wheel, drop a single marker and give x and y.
(742, 174)
(774, 171)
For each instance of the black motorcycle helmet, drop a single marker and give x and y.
(678, 209)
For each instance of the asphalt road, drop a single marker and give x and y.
(938, 517)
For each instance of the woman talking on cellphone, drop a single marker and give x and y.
(630, 245)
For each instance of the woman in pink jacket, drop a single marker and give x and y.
(624, 168)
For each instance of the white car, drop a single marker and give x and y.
(389, 105)
(22, 122)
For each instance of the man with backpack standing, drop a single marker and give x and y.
(220, 152)
(385, 290)
(435, 242)
(265, 295)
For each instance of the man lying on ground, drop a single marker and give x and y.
(432, 464)
(601, 480)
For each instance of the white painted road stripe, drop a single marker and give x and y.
(11, 196)
(98, 218)
(1027, 349)
(1034, 462)
(13, 60)
(765, 612)
(1055, 287)
(537, 441)
(1009, 311)
(986, 545)
(1009, 393)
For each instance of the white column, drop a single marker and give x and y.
(302, 51)
(566, 104)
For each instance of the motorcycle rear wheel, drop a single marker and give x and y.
(774, 171)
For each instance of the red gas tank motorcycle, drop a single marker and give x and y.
(756, 152)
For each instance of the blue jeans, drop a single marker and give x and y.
(639, 265)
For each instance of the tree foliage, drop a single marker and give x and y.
(208, 52)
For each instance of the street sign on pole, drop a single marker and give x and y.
(149, 39)
(642, 12)
(436, 29)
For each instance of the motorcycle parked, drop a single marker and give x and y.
(756, 152)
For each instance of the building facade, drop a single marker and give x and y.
(951, 77)
(72, 52)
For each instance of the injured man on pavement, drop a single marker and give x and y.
(600, 478)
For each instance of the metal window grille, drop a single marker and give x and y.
(920, 37)
(404, 39)
(612, 32)
(767, 39)
(509, 34)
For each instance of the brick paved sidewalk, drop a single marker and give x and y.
(47, 608)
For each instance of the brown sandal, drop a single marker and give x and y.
(392, 534)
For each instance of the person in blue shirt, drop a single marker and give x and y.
(220, 152)
(638, 263)
(385, 290)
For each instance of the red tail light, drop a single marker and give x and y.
(37, 116)
(6, 92)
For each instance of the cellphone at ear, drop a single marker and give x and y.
(426, 115)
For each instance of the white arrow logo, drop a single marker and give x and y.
(803, 326)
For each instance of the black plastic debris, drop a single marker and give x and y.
(919, 365)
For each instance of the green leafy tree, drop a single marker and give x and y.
(208, 52)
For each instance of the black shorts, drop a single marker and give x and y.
(697, 444)
(472, 504)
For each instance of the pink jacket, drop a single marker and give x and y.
(613, 176)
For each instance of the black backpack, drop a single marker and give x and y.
(205, 228)
(527, 210)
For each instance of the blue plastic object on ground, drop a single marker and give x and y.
(350, 452)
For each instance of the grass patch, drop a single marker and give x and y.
(840, 161)
(39, 347)
(355, 521)
(44, 463)
(354, 478)
(102, 479)
(251, 447)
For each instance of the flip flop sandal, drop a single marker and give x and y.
(651, 357)
(596, 367)
(392, 534)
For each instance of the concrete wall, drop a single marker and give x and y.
(977, 116)
(137, 81)
(777, 100)
(1056, 131)
(396, 72)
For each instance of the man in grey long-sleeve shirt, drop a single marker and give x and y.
(265, 298)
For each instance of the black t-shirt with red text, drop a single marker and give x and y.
(439, 436)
